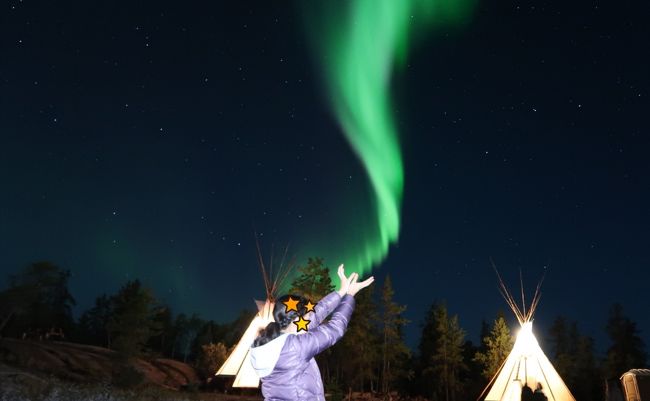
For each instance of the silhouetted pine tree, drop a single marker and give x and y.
(447, 358)
(37, 300)
(627, 349)
(358, 354)
(573, 357)
(394, 352)
(133, 322)
(93, 323)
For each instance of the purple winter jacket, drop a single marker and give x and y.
(286, 365)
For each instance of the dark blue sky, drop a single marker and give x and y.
(149, 140)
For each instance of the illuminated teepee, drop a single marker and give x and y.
(526, 364)
(238, 362)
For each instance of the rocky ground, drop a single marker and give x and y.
(88, 364)
(61, 371)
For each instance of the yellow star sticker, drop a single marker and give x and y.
(291, 304)
(302, 324)
(310, 307)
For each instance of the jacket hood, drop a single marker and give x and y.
(265, 357)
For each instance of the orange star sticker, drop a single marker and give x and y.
(291, 304)
(302, 324)
(310, 307)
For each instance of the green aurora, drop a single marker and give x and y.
(359, 43)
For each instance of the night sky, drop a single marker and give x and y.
(152, 139)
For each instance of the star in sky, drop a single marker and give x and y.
(302, 324)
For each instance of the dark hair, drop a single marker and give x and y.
(282, 319)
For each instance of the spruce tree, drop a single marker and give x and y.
(133, 321)
(358, 352)
(447, 358)
(574, 359)
(497, 345)
(394, 351)
(313, 281)
(627, 349)
(428, 339)
(94, 322)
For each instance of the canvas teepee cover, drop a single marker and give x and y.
(526, 364)
(238, 362)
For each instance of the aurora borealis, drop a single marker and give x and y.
(151, 140)
(361, 42)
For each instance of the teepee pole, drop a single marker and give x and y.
(494, 377)
(521, 284)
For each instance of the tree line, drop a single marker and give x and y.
(371, 357)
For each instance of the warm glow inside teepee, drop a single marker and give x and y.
(238, 362)
(526, 365)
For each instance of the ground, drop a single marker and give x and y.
(62, 371)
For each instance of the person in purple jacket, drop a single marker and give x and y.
(284, 358)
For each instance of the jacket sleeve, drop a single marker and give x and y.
(324, 307)
(324, 336)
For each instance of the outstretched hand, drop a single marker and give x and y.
(355, 286)
(345, 281)
(350, 285)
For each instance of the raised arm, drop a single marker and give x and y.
(321, 337)
(324, 308)
(324, 336)
(329, 302)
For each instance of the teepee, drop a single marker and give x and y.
(526, 364)
(238, 362)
